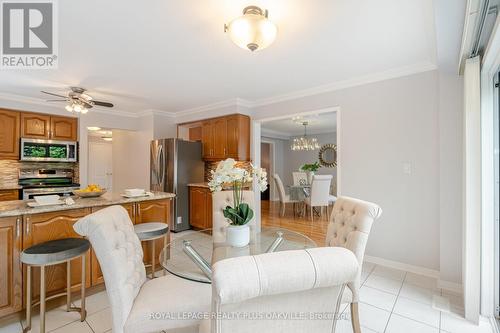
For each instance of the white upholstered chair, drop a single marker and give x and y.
(290, 282)
(350, 224)
(135, 300)
(220, 200)
(284, 198)
(320, 193)
(299, 178)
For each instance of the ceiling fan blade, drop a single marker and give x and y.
(106, 104)
(48, 93)
(56, 100)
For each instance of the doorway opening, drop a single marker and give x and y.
(287, 145)
(100, 159)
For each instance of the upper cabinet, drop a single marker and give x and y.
(63, 128)
(9, 134)
(42, 126)
(226, 137)
(35, 125)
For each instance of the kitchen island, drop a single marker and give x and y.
(22, 227)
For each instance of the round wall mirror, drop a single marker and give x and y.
(328, 155)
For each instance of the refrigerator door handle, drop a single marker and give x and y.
(161, 175)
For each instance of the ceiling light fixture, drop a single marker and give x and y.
(93, 128)
(252, 31)
(76, 107)
(304, 142)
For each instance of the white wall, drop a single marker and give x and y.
(384, 125)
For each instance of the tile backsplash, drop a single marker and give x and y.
(9, 170)
(209, 165)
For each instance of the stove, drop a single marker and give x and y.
(36, 182)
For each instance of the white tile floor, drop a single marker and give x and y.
(392, 301)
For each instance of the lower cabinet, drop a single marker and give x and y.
(18, 233)
(39, 228)
(11, 282)
(153, 211)
(200, 207)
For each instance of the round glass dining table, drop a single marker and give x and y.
(191, 255)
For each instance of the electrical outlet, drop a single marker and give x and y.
(179, 220)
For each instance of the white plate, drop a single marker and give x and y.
(146, 194)
(34, 204)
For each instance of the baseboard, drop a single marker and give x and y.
(446, 285)
(403, 267)
(450, 286)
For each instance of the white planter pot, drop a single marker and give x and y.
(310, 175)
(238, 235)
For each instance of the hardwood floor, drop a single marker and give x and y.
(315, 230)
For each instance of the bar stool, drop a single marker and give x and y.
(52, 253)
(152, 231)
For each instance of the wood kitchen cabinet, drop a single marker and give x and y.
(38, 228)
(200, 207)
(42, 126)
(225, 137)
(153, 211)
(10, 265)
(9, 134)
(7, 195)
(96, 272)
(207, 139)
(35, 125)
(63, 128)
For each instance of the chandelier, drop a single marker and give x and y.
(253, 31)
(77, 107)
(304, 142)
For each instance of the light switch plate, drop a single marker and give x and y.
(407, 168)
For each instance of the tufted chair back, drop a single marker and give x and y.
(350, 224)
(281, 188)
(289, 282)
(220, 200)
(119, 251)
(320, 190)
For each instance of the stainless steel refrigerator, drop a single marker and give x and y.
(174, 164)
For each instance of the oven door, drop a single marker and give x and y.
(48, 150)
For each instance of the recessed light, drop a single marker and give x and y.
(93, 128)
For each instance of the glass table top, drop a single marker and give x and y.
(192, 254)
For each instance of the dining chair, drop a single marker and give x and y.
(284, 198)
(137, 304)
(299, 178)
(350, 224)
(320, 193)
(220, 200)
(288, 283)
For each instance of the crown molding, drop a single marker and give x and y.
(339, 85)
(235, 102)
(149, 112)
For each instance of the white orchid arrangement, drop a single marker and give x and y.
(228, 174)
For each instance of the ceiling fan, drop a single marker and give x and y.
(78, 101)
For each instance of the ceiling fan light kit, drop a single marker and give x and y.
(78, 101)
(253, 31)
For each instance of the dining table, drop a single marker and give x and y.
(192, 254)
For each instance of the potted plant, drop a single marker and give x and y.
(310, 169)
(228, 175)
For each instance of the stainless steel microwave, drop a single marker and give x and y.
(48, 150)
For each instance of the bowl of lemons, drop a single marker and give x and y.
(90, 191)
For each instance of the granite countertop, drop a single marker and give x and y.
(19, 207)
(198, 185)
(10, 187)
